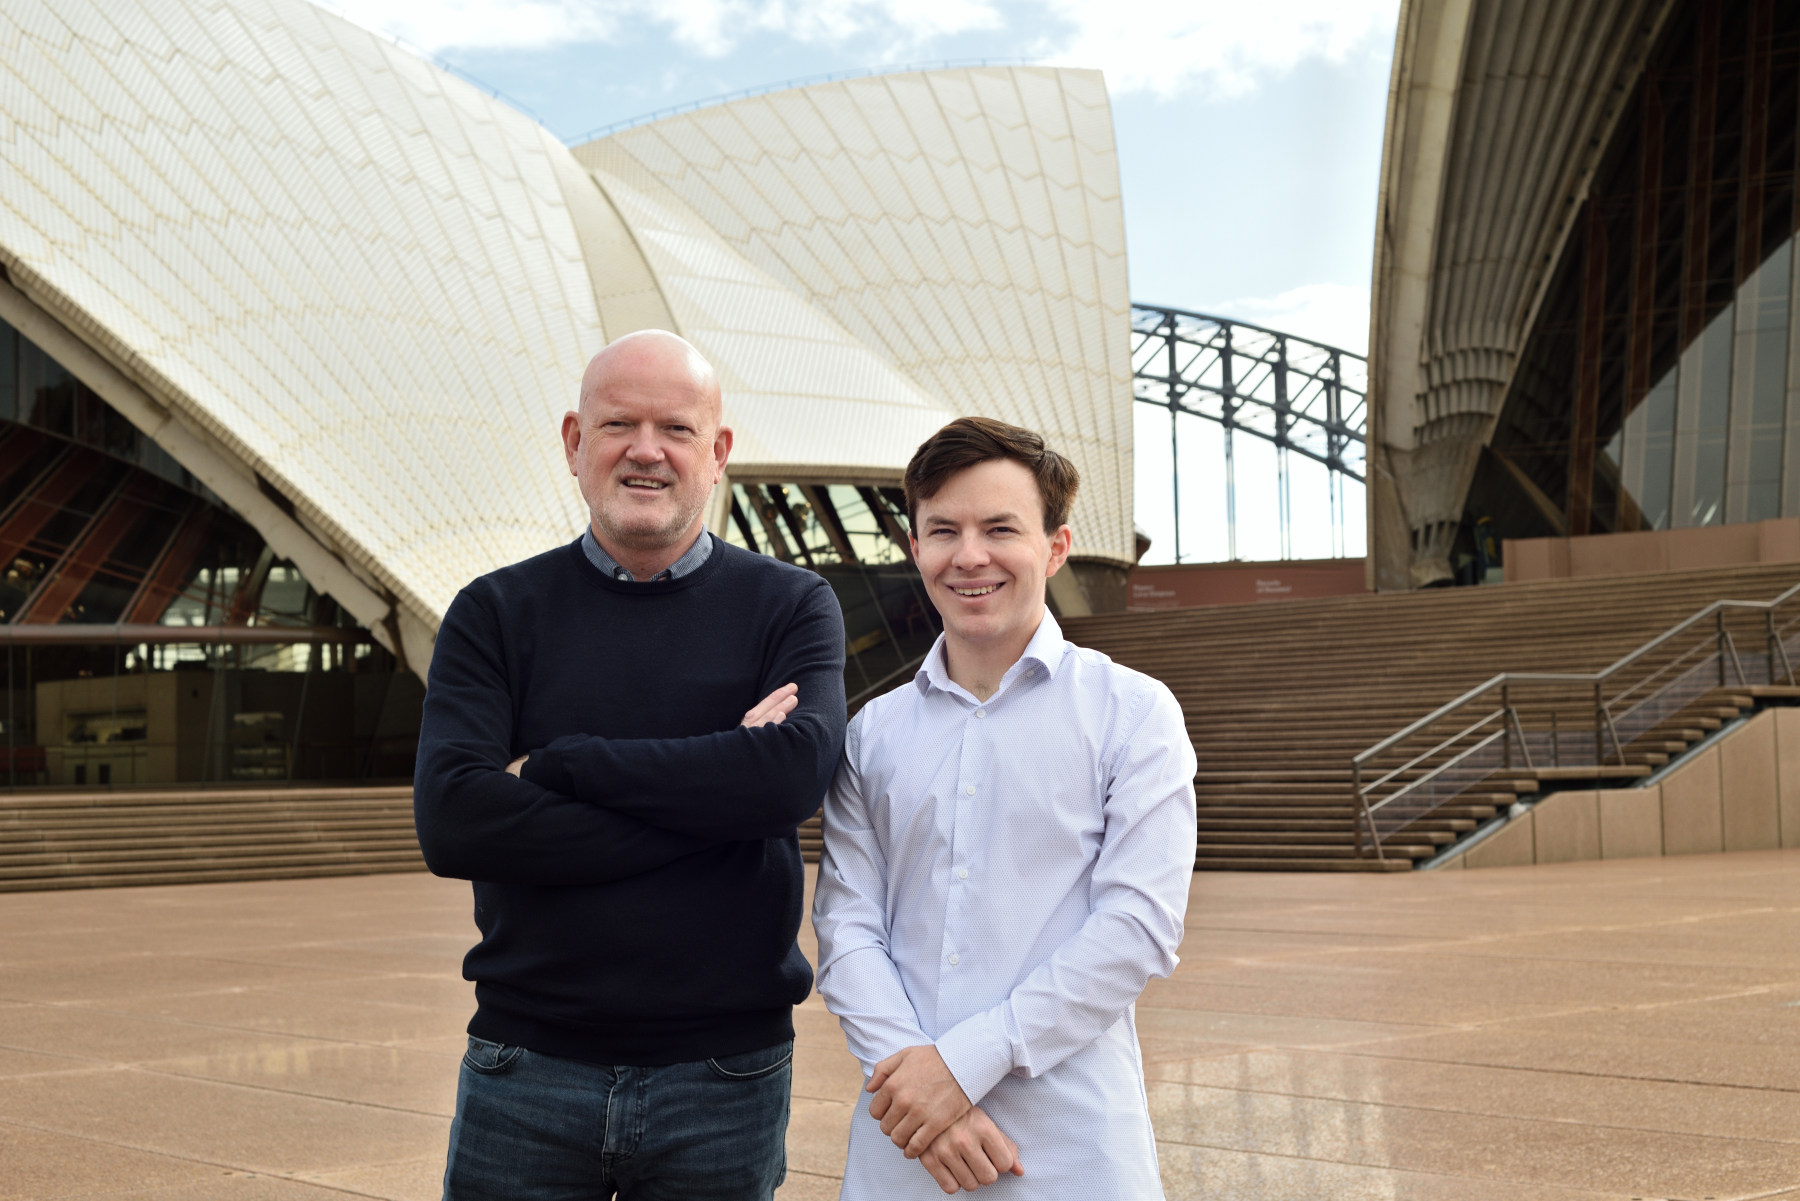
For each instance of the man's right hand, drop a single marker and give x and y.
(971, 1153)
(773, 709)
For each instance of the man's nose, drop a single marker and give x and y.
(644, 447)
(970, 553)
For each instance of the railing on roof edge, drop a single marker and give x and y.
(1656, 682)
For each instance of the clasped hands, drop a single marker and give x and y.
(925, 1111)
(772, 710)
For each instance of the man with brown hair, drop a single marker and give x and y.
(1008, 848)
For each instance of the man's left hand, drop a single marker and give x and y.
(916, 1098)
(517, 765)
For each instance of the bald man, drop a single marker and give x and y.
(620, 739)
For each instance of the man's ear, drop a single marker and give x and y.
(1059, 549)
(721, 452)
(571, 438)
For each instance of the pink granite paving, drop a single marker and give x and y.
(1628, 1029)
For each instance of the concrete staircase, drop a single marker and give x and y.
(1279, 697)
(98, 839)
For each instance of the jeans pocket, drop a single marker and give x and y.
(490, 1059)
(753, 1065)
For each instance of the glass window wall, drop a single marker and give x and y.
(151, 637)
(1668, 327)
(854, 536)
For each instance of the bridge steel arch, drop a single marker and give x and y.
(1305, 397)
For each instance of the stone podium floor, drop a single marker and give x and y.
(1628, 1029)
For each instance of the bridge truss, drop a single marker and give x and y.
(1306, 398)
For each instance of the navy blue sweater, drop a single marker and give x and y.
(638, 887)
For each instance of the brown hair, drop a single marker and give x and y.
(970, 441)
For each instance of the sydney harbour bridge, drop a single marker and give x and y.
(1304, 399)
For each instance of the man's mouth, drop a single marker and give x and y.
(646, 483)
(978, 590)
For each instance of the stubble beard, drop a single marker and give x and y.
(641, 538)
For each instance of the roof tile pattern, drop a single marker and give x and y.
(806, 400)
(964, 224)
(352, 268)
(375, 286)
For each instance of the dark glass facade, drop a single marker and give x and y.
(152, 637)
(1660, 383)
(854, 536)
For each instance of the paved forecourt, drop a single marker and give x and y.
(1615, 1029)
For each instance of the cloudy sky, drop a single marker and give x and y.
(1249, 131)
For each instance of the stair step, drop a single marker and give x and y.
(1222, 863)
(213, 873)
(1307, 838)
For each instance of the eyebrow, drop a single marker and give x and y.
(932, 519)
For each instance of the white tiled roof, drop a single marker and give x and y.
(353, 269)
(376, 286)
(964, 225)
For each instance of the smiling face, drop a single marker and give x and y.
(646, 446)
(982, 549)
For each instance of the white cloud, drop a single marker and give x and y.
(1223, 47)
(711, 27)
(1335, 314)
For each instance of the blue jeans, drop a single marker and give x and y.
(533, 1127)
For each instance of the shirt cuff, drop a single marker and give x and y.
(978, 1054)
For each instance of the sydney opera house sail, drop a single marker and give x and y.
(291, 316)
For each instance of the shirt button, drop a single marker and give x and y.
(981, 713)
(1030, 672)
(962, 874)
(954, 961)
(970, 790)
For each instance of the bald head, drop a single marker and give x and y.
(647, 444)
(652, 358)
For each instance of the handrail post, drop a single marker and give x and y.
(1506, 712)
(1357, 804)
(1555, 742)
(1720, 621)
(1599, 729)
(1736, 663)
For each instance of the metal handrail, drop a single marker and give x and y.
(1421, 757)
(1439, 770)
(1598, 677)
(1725, 652)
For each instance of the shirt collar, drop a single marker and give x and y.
(609, 566)
(1046, 650)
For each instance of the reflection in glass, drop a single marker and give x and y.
(1705, 446)
(1703, 409)
(855, 537)
(152, 637)
(1759, 391)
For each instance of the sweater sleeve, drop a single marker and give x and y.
(478, 822)
(738, 783)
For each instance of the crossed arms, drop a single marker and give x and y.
(591, 810)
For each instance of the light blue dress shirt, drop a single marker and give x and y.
(1002, 878)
